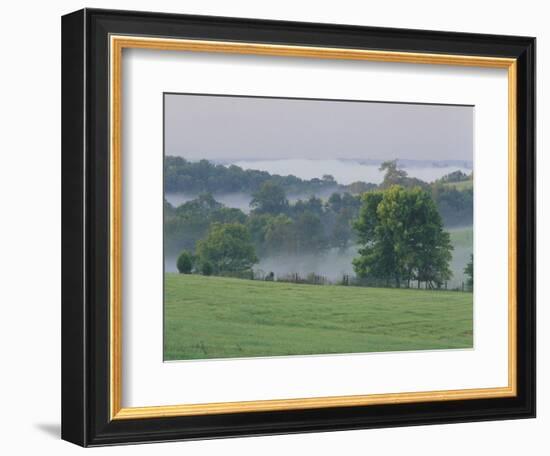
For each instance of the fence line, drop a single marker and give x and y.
(346, 280)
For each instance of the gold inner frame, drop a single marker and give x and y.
(117, 44)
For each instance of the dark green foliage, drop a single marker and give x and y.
(335, 202)
(278, 235)
(184, 176)
(168, 208)
(455, 176)
(206, 269)
(455, 206)
(308, 233)
(185, 225)
(396, 176)
(356, 188)
(228, 215)
(313, 205)
(469, 271)
(269, 199)
(342, 231)
(402, 238)
(227, 247)
(185, 263)
(257, 226)
(308, 226)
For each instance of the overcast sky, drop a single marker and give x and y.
(229, 128)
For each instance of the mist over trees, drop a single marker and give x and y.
(275, 227)
(456, 206)
(269, 199)
(398, 225)
(185, 225)
(454, 202)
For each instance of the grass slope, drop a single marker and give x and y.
(215, 317)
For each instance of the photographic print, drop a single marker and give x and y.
(308, 226)
(266, 223)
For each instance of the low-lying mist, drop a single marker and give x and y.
(242, 200)
(236, 200)
(334, 263)
(347, 171)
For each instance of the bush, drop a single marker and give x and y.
(185, 263)
(227, 247)
(206, 269)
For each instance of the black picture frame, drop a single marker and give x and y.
(85, 225)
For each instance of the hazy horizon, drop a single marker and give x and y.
(226, 128)
(311, 138)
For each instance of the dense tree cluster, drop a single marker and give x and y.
(181, 175)
(307, 226)
(455, 206)
(402, 238)
(275, 226)
(397, 224)
(226, 248)
(185, 225)
(455, 176)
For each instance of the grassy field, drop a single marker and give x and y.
(215, 317)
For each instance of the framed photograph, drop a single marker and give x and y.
(278, 227)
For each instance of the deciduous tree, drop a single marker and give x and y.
(402, 238)
(269, 199)
(228, 248)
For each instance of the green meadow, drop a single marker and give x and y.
(217, 317)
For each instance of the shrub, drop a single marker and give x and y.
(206, 269)
(185, 263)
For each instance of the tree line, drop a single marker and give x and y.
(398, 228)
(275, 226)
(203, 176)
(454, 204)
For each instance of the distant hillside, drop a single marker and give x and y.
(183, 176)
(453, 193)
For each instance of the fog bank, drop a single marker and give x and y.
(345, 172)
